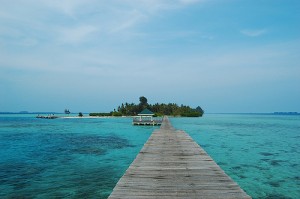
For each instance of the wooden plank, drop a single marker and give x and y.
(172, 165)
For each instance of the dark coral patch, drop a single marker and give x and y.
(274, 184)
(275, 196)
(266, 154)
(276, 162)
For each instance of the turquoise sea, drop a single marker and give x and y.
(84, 158)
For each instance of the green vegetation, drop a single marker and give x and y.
(131, 109)
(113, 113)
(116, 114)
(160, 109)
(80, 114)
(100, 114)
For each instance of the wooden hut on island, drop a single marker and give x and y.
(146, 118)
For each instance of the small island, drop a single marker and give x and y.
(170, 109)
(286, 113)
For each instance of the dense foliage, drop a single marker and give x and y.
(130, 109)
(113, 113)
(160, 109)
(100, 114)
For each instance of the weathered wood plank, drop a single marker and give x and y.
(172, 165)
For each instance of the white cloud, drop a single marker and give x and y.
(46, 18)
(129, 20)
(77, 34)
(130, 41)
(68, 7)
(253, 32)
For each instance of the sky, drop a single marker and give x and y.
(227, 56)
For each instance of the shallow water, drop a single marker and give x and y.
(65, 158)
(260, 152)
(76, 158)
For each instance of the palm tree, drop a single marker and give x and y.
(143, 101)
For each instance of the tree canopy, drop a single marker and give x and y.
(129, 109)
(143, 101)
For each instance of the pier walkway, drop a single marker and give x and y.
(172, 165)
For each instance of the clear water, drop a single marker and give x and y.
(84, 158)
(65, 158)
(260, 152)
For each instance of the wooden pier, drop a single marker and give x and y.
(47, 117)
(145, 122)
(172, 165)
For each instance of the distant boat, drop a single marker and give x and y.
(67, 111)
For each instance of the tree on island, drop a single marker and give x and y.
(80, 114)
(143, 101)
(200, 110)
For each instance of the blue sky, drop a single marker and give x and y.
(92, 55)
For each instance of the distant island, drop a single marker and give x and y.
(172, 109)
(286, 113)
